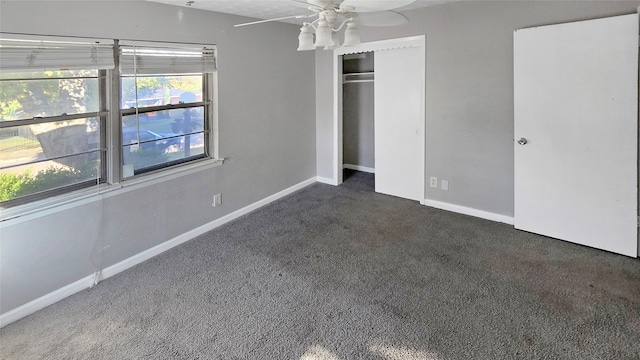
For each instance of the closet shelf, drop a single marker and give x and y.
(361, 77)
(357, 81)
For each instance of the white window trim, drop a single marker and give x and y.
(211, 88)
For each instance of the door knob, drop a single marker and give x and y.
(522, 141)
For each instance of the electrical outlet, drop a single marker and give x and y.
(433, 182)
(217, 200)
(444, 185)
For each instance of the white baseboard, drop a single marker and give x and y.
(469, 211)
(44, 301)
(359, 168)
(325, 180)
(88, 281)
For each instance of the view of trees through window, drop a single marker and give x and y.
(157, 134)
(48, 154)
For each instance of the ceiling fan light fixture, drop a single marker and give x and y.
(336, 41)
(305, 39)
(331, 17)
(351, 35)
(323, 35)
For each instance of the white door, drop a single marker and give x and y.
(399, 122)
(576, 106)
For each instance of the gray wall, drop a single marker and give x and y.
(357, 124)
(469, 101)
(358, 112)
(324, 114)
(267, 134)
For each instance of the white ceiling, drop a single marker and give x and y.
(270, 9)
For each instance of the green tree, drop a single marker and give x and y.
(11, 184)
(26, 183)
(186, 83)
(141, 87)
(47, 95)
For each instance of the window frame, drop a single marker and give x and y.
(111, 177)
(208, 101)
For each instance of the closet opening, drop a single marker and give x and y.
(358, 109)
(384, 130)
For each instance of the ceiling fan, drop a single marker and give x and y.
(329, 13)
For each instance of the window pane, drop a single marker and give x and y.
(31, 143)
(158, 139)
(21, 181)
(150, 155)
(25, 99)
(165, 122)
(160, 90)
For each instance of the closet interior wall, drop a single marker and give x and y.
(358, 111)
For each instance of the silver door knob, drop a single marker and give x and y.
(522, 141)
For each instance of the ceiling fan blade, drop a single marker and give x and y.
(381, 18)
(276, 19)
(326, 4)
(306, 5)
(372, 5)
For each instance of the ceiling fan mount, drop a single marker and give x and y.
(328, 14)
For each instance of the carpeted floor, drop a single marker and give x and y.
(345, 273)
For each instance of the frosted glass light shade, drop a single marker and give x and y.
(305, 39)
(336, 41)
(351, 35)
(323, 35)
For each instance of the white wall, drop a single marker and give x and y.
(267, 135)
(469, 97)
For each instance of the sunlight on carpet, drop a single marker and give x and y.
(317, 352)
(401, 353)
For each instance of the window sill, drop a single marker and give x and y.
(80, 197)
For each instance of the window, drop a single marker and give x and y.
(70, 119)
(52, 116)
(165, 102)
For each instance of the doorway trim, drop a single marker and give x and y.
(392, 44)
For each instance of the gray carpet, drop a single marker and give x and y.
(345, 273)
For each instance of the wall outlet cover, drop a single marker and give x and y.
(217, 200)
